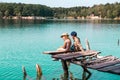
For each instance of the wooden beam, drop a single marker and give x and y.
(56, 52)
(87, 45)
(73, 55)
(104, 64)
(65, 69)
(39, 72)
(110, 68)
(116, 71)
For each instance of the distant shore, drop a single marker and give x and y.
(54, 18)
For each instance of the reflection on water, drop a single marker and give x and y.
(85, 76)
(19, 23)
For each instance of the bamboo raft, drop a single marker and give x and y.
(88, 59)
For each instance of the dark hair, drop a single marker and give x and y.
(73, 33)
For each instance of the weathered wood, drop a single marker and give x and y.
(75, 55)
(67, 56)
(116, 71)
(109, 68)
(39, 72)
(112, 69)
(60, 52)
(65, 68)
(104, 64)
(110, 64)
(87, 45)
(24, 71)
(55, 52)
(100, 60)
(85, 76)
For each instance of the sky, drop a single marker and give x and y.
(63, 3)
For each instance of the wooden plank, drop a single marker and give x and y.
(60, 52)
(76, 62)
(89, 52)
(105, 64)
(110, 68)
(77, 55)
(100, 60)
(116, 71)
(55, 52)
(74, 55)
(93, 61)
(67, 56)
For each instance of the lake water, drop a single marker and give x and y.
(23, 43)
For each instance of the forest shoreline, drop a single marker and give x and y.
(54, 18)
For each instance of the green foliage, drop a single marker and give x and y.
(20, 9)
(14, 9)
(105, 11)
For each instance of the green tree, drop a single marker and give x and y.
(1, 14)
(7, 13)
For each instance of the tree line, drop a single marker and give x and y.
(14, 9)
(20, 9)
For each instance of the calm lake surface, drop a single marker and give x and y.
(23, 43)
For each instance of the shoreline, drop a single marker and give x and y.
(54, 18)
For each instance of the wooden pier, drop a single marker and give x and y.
(88, 59)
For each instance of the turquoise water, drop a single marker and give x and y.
(23, 43)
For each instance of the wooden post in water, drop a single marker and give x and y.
(65, 68)
(87, 45)
(24, 73)
(118, 42)
(85, 70)
(84, 76)
(39, 72)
